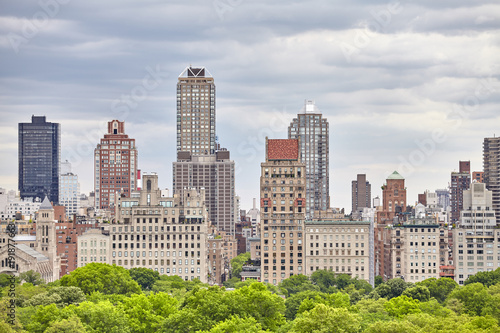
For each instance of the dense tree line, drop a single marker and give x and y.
(105, 298)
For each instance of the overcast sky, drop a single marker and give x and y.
(411, 86)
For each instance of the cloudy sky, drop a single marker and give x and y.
(411, 86)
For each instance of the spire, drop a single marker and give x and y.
(46, 204)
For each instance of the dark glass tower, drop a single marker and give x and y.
(39, 159)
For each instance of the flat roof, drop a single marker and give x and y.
(331, 222)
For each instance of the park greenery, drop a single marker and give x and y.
(105, 298)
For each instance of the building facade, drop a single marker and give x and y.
(215, 174)
(115, 166)
(491, 171)
(196, 111)
(361, 194)
(165, 234)
(312, 131)
(283, 206)
(460, 181)
(39, 159)
(339, 246)
(476, 245)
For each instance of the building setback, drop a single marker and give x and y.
(39, 159)
(115, 166)
(215, 174)
(312, 129)
(491, 171)
(283, 205)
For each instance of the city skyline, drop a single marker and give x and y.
(386, 104)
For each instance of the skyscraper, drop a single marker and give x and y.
(460, 181)
(215, 174)
(115, 168)
(361, 193)
(282, 214)
(312, 129)
(201, 163)
(491, 171)
(196, 111)
(39, 159)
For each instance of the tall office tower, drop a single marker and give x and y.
(491, 171)
(282, 214)
(312, 129)
(69, 189)
(361, 193)
(475, 239)
(460, 181)
(39, 159)
(196, 111)
(115, 168)
(215, 174)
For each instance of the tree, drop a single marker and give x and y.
(237, 264)
(256, 301)
(7, 279)
(474, 298)
(418, 292)
(401, 306)
(236, 324)
(101, 317)
(392, 288)
(439, 288)
(323, 279)
(323, 319)
(295, 284)
(61, 296)
(71, 325)
(293, 302)
(145, 277)
(32, 277)
(378, 280)
(103, 278)
(486, 278)
(395, 326)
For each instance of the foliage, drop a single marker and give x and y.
(418, 292)
(401, 306)
(293, 302)
(378, 280)
(295, 284)
(439, 288)
(145, 277)
(6, 279)
(104, 278)
(474, 298)
(327, 319)
(237, 264)
(337, 300)
(392, 288)
(32, 277)
(71, 325)
(61, 296)
(236, 324)
(486, 278)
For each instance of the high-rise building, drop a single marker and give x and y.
(215, 174)
(39, 159)
(443, 197)
(196, 111)
(460, 181)
(361, 193)
(491, 169)
(312, 130)
(475, 239)
(69, 190)
(282, 214)
(115, 168)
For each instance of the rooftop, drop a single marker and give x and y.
(395, 175)
(331, 222)
(46, 204)
(283, 149)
